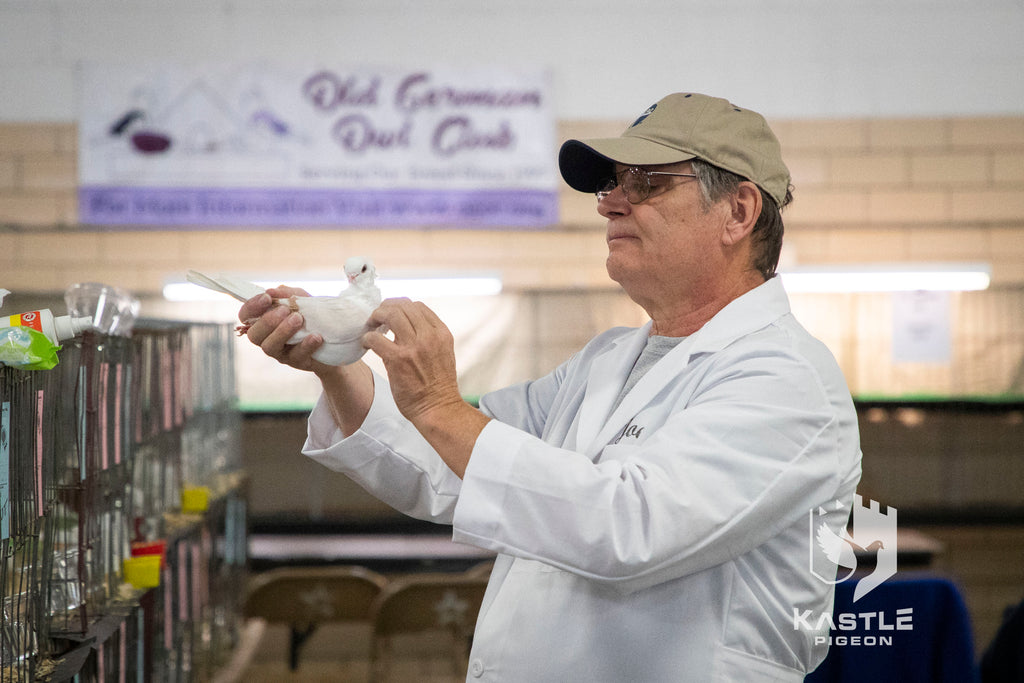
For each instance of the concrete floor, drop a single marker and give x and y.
(337, 654)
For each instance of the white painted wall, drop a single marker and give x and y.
(609, 59)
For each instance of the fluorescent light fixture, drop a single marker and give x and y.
(431, 287)
(898, 277)
(414, 288)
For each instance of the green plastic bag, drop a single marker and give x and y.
(27, 349)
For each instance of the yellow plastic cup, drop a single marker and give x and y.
(142, 571)
(195, 499)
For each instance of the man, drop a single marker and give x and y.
(648, 499)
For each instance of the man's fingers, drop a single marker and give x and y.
(266, 323)
(300, 355)
(284, 291)
(429, 317)
(271, 325)
(255, 307)
(377, 341)
(261, 303)
(272, 332)
(416, 331)
(394, 314)
(404, 316)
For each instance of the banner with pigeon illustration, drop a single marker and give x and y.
(320, 145)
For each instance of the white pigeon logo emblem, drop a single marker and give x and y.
(872, 544)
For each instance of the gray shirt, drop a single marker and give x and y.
(657, 347)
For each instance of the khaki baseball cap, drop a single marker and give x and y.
(680, 127)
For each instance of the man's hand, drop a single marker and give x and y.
(347, 388)
(421, 359)
(420, 362)
(272, 324)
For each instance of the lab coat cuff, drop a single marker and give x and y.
(326, 443)
(479, 511)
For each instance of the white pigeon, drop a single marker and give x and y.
(340, 320)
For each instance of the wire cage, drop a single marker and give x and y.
(96, 456)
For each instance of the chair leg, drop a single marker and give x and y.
(460, 645)
(378, 659)
(298, 637)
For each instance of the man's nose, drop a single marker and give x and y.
(614, 203)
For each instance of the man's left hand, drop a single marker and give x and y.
(420, 362)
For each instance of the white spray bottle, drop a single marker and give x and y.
(56, 328)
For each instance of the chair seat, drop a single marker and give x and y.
(305, 597)
(433, 602)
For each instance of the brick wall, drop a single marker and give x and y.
(866, 191)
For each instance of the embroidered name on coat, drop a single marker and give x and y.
(630, 431)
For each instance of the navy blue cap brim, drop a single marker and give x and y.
(583, 168)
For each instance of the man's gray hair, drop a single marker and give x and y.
(717, 183)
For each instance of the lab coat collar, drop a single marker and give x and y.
(605, 380)
(750, 312)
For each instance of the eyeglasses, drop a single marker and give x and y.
(636, 183)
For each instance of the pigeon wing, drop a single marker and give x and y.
(836, 549)
(243, 290)
(341, 321)
(338, 319)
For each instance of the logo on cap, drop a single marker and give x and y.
(644, 115)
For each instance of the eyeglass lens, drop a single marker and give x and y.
(635, 183)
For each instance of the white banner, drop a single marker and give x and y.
(260, 144)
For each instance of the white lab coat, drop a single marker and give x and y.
(666, 540)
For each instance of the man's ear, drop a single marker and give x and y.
(745, 209)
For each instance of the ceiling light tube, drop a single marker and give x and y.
(901, 277)
(414, 288)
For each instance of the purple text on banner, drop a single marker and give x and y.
(112, 206)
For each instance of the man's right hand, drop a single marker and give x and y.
(271, 324)
(348, 388)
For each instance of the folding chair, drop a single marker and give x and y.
(482, 569)
(431, 602)
(305, 597)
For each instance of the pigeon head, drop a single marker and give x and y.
(360, 269)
